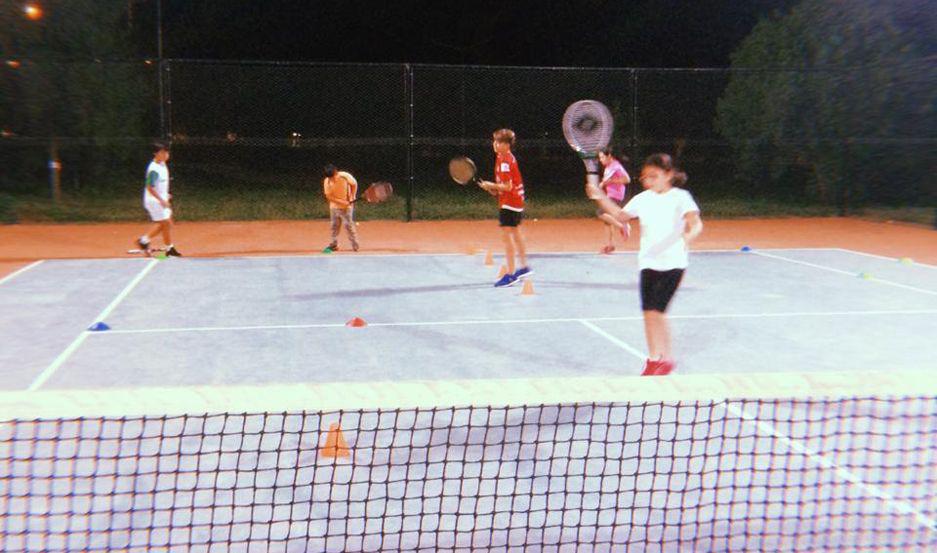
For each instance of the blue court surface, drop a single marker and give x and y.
(255, 320)
(718, 475)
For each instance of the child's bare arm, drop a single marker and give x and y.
(693, 226)
(608, 206)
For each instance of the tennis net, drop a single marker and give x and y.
(773, 462)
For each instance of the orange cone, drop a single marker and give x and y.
(528, 288)
(357, 322)
(335, 445)
(489, 259)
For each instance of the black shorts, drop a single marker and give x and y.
(510, 218)
(658, 288)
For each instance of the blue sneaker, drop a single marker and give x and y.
(506, 280)
(522, 272)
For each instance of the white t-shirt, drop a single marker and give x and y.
(662, 224)
(162, 183)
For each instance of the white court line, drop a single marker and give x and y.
(875, 491)
(495, 251)
(20, 271)
(620, 343)
(520, 321)
(62, 357)
(866, 254)
(871, 489)
(842, 272)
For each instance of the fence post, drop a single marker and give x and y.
(635, 154)
(408, 88)
(55, 171)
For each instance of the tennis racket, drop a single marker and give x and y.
(463, 170)
(376, 193)
(588, 126)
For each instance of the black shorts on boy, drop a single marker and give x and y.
(510, 218)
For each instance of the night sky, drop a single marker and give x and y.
(622, 33)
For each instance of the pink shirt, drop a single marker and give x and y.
(615, 191)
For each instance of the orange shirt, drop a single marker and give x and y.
(340, 190)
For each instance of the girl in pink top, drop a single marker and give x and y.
(614, 181)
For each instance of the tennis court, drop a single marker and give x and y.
(233, 321)
(464, 417)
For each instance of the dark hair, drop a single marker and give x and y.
(504, 135)
(665, 162)
(329, 170)
(609, 151)
(159, 146)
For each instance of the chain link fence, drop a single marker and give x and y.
(250, 138)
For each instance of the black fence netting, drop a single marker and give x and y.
(249, 139)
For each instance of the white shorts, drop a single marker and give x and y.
(157, 211)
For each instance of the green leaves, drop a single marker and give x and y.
(836, 95)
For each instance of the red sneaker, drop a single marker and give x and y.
(659, 367)
(650, 367)
(607, 249)
(665, 367)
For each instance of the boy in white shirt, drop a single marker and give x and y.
(670, 220)
(156, 200)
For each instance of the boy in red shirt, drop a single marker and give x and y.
(509, 187)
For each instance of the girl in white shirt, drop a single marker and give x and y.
(670, 220)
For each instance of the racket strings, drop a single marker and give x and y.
(588, 126)
(462, 170)
(378, 192)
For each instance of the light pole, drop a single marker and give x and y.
(34, 12)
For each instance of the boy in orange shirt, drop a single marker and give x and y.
(340, 188)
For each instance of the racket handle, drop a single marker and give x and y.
(592, 165)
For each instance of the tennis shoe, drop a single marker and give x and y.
(650, 367)
(506, 280)
(607, 250)
(523, 272)
(664, 367)
(333, 246)
(145, 246)
(173, 252)
(658, 367)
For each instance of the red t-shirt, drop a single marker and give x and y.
(506, 170)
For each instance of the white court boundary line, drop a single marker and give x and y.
(842, 272)
(495, 251)
(876, 256)
(902, 507)
(76, 343)
(584, 320)
(620, 343)
(20, 271)
(873, 490)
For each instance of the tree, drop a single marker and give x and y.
(836, 97)
(72, 89)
